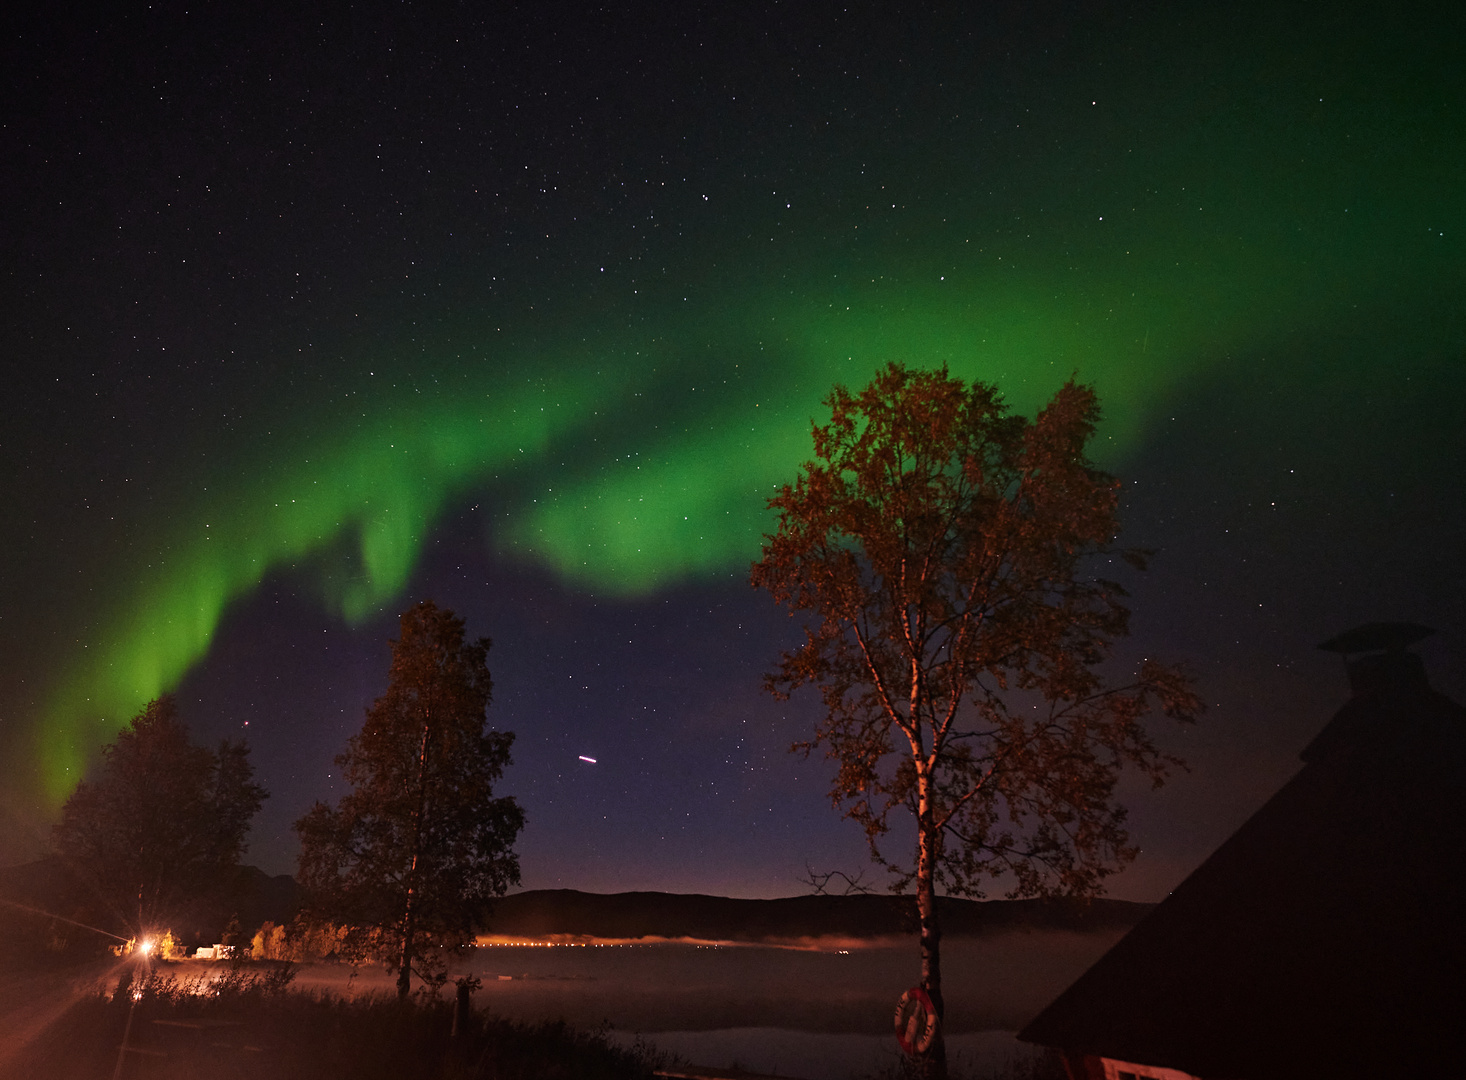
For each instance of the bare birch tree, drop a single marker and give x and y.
(942, 550)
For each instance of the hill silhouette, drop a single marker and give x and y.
(46, 887)
(549, 913)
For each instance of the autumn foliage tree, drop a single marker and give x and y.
(413, 856)
(158, 829)
(943, 551)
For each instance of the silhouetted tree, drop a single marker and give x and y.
(161, 826)
(941, 546)
(421, 845)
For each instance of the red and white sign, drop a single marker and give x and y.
(916, 1022)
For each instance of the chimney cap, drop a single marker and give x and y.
(1377, 637)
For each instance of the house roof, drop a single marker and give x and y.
(1325, 937)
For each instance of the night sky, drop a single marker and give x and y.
(528, 310)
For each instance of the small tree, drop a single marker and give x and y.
(941, 546)
(417, 851)
(269, 943)
(160, 828)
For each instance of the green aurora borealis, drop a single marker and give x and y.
(1140, 223)
(684, 498)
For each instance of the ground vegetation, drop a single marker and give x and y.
(250, 1023)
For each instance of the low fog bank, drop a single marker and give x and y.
(994, 982)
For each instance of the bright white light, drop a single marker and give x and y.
(146, 946)
(589, 759)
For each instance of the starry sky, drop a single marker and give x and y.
(528, 309)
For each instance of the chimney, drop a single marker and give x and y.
(1385, 666)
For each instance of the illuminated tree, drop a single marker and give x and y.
(415, 854)
(160, 828)
(942, 549)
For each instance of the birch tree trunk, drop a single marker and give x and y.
(934, 1061)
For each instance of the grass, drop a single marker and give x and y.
(249, 1024)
